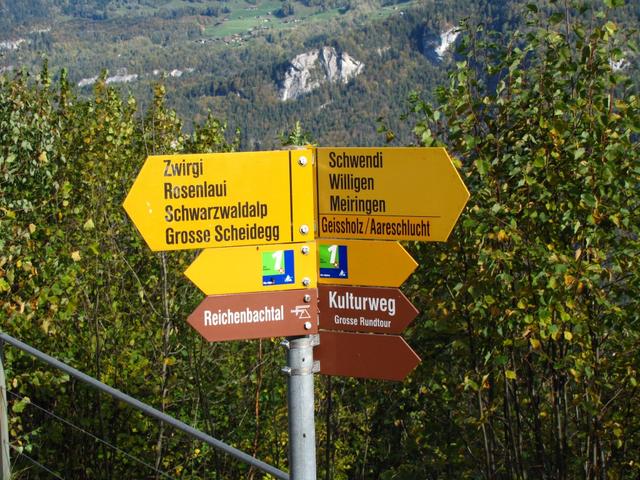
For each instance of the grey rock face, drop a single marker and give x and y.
(310, 70)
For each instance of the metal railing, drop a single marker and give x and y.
(143, 407)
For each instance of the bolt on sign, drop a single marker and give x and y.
(256, 315)
(197, 201)
(259, 268)
(387, 193)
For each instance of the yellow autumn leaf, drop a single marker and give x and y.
(535, 343)
(510, 374)
(32, 228)
(502, 236)
(568, 336)
(569, 280)
(75, 255)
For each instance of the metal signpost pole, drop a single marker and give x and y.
(302, 430)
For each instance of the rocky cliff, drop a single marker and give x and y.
(310, 70)
(435, 46)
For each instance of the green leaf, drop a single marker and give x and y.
(610, 27)
(482, 166)
(554, 19)
(19, 406)
(468, 383)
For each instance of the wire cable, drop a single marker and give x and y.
(145, 408)
(51, 472)
(80, 429)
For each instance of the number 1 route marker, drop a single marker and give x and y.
(374, 263)
(260, 268)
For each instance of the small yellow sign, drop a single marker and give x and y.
(388, 193)
(265, 268)
(369, 263)
(223, 199)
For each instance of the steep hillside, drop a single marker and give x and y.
(336, 66)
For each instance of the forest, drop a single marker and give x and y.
(528, 329)
(233, 65)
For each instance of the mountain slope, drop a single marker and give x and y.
(235, 57)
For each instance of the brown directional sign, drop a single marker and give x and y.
(364, 309)
(365, 355)
(256, 315)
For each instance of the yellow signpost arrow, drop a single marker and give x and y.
(262, 268)
(374, 263)
(223, 199)
(388, 193)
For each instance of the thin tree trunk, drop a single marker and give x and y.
(327, 453)
(166, 332)
(256, 436)
(539, 469)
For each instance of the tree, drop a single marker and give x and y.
(78, 282)
(531, 307)
(286, 10)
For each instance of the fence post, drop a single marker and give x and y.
(5, 460)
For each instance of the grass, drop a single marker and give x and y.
(243, 18)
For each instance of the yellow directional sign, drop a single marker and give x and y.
(374, 263)
(388, 193)
(223, 199)
(264, 268)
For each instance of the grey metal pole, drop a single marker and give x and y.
(302, 429)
